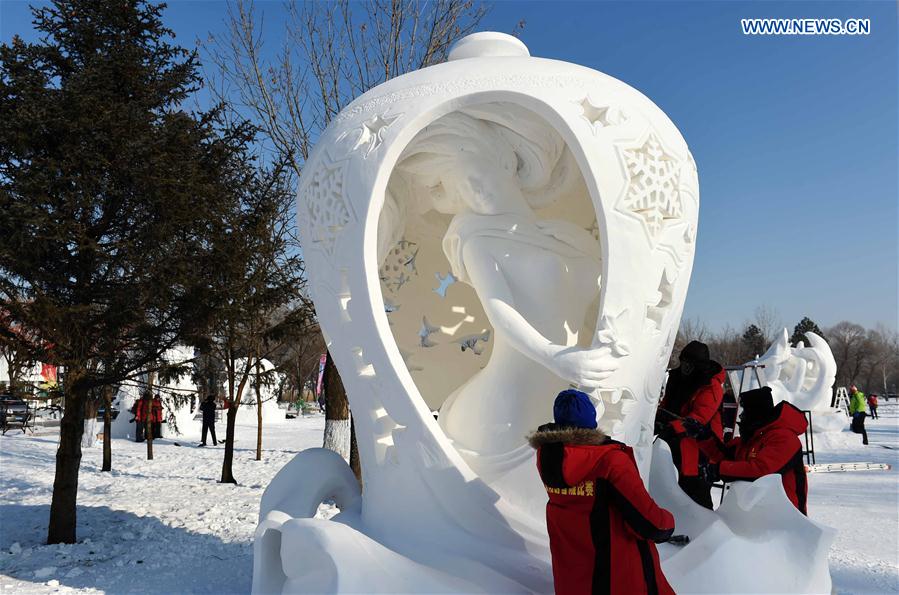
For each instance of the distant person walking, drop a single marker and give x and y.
(208, 409)
(872, 405)
(857, 411)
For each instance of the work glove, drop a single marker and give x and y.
(679, 540)
(696, 429)
(664, 431)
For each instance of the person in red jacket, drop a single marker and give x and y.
(156, 411)
(768, 443)
(148, 406)
(602, 523)
(872, 405)
(692, 399)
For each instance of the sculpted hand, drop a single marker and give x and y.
(584, 367)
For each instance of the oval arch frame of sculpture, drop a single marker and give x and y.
(385, 164)
(416, 483)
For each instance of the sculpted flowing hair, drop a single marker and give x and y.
(509, 137)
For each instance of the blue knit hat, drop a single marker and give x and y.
(574, 408)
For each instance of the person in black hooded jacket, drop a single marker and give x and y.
(768, 444)
(208, 409)
(692, 402)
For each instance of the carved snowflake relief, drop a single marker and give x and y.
(653, 189)
(328, 209)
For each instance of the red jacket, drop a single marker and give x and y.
(140, 412)
(705, 407)
(774, 448)
(602, 523)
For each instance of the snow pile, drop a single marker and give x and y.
(755, 522)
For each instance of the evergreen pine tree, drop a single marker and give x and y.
(804, 326)
(106, 188)
(754, 341)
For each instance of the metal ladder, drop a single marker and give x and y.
(841, 400)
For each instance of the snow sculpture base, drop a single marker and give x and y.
(756, 527)
(295, 553)
(829, 421)
(756, 541)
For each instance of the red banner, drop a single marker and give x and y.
(321, 374)
(48, 373)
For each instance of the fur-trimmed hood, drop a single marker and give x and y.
(554, 433)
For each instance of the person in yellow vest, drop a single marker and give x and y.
(857, 411)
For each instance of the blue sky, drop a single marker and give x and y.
(795, 138)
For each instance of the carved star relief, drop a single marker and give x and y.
(599, 116)
(658, 307)
(372, 133)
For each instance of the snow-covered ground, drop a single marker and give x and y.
(160, 526)
(863, 506)
(167, 526)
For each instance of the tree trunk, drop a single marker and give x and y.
(258, 415)
(337, 411)
(91, 408)
(68, 461)
(107, 428)
(227, 474)
(355, 463)
(148, 420)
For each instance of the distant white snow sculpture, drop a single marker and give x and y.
(565, 205)
(268, 389)
(179, 401)
(804, 376)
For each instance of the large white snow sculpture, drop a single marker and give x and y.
(803, 376)
(479, 235)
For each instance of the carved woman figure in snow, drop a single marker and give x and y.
(490, 167)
